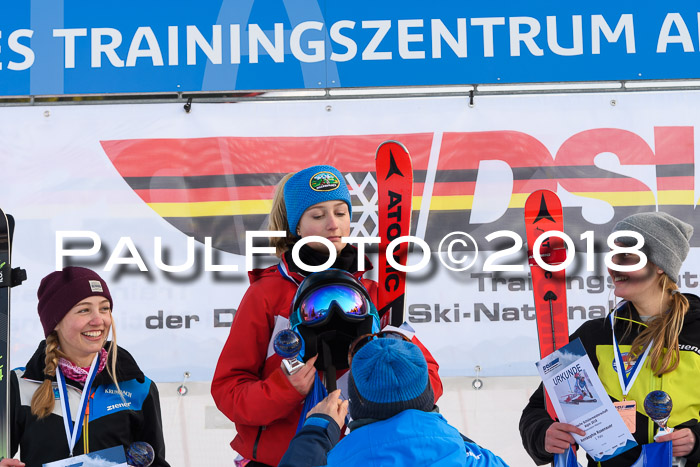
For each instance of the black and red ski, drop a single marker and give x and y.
(543, 213)
(395, 187)
(8, 278)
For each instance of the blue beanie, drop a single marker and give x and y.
(388, 376)
(311, 186)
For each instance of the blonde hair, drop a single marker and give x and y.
(278, 220)
(43, 400)
(664, 331)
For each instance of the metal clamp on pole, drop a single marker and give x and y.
(477, 383)
(182, 389)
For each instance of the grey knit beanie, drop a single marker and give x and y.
(666, 239)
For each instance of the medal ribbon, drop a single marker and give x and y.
(626, 378)
(73, 429)
(285, 273)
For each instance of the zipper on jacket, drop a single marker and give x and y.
(86, 421)
(257, 438)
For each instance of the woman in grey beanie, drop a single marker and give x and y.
(655, 326)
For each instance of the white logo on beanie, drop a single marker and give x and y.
(96, 286)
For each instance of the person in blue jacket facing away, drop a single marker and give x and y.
(395, 421)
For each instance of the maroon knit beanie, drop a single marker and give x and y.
(62, 290)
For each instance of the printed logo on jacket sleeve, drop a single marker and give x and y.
(130, 396)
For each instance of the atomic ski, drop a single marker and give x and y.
(8, 278)
(543, 213)
(395, 187)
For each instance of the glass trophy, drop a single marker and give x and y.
(140, 454)
(288, 345)
(658, 405)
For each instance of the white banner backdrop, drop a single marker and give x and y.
(58, 175)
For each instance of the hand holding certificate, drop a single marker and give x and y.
(579, 399)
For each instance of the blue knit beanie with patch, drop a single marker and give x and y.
(388, 376)
(311, 186)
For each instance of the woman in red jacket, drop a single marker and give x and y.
(249, 385)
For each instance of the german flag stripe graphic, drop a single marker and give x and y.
(221, 187)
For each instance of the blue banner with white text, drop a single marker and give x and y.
(56, 47)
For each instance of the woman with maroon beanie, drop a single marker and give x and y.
(77, 371)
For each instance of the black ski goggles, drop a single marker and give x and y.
(317, 306)
(364, 339)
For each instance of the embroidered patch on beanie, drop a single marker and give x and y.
(313, 185)
(324, 181)
(95, 286)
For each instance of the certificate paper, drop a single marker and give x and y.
(579, 398)
(111, 457)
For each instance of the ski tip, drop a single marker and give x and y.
(542, 192)
(543, 204)
(539, 197)
(389, 143)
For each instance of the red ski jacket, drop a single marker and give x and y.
(250, 387)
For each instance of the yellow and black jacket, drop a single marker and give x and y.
(682, 384)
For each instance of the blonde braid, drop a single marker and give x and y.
(43, 399)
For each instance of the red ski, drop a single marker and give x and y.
(543, 213)
(395, 186)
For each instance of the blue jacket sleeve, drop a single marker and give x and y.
(481, 457)
(311, 445)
